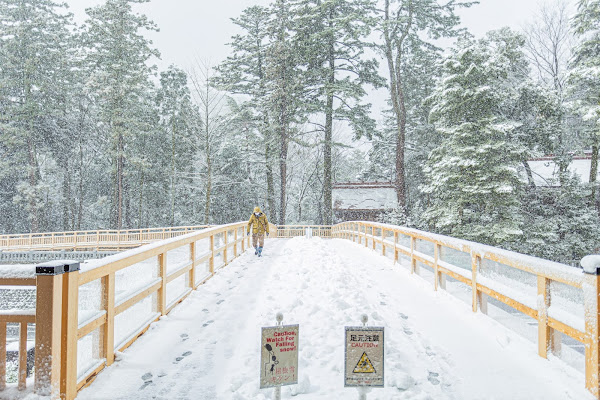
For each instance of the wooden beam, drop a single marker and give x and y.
(544, 335)
(22, 356)
(2, 355)
(162, 291)
(91, 326)
(69, 339)
(130, 302)
(592, 330)
(108, 331)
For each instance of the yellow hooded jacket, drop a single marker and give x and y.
(259, 224)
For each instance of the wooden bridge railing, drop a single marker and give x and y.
(100, 240)
(288, 231)
(107, 305)
(561, 298)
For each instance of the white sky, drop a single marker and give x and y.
(191, 29)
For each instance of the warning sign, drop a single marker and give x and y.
(279, 356)
(364, 366)
(364, 356)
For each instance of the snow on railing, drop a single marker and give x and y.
(530, 285)
(99, 239)
(87, 312)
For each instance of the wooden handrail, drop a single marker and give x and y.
(546, 272)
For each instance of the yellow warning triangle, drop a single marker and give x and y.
(364, 365)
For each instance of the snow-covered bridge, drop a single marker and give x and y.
(92, 320)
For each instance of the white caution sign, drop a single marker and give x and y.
(279, 356)
(364, 356)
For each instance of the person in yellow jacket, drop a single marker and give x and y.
(260, 225)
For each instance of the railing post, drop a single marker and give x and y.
(235, 242)
(192, 274)
(382, 242)
(413, 261)
(475, 264)
(244, 239)
(2, 355)
(436, 262)
(373, 237)
(108, 330)
(56, 315)
(211, 262)
(591, 295)
(162, 292)
(544, 331)
(395, 247)
(226, 240)
(68, 384)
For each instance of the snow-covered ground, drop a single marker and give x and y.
(436, 347)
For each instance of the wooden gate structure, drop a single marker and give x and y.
(562, 299)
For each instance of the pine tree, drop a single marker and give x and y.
(584, 78)
(415, 21)
(34, 68)
(473, 177)
(119, 59)
(332, 35)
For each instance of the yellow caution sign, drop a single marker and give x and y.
(364, 365)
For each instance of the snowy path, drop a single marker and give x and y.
(436, 348)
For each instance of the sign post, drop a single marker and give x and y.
(279, 356)
(364, 359)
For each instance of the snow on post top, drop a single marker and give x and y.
(591, 264)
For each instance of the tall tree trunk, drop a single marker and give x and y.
(393, 43)
(270, 180)
(66, 195)
(120, 167)
(593, 177)
(327, 179)
(283, 152)
(530, 180)
(172, 219)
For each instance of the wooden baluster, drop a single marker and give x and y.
(382, 242)
(192, 274)
(475, 264)
(226, 240)
(162, 292)
(211, 262)
(108, 330)
(413, 261)
(395, 247)
(22, 356)
(544, 334)
(436, 261)
(373, 237)
(2, 355)
(70, 322)
(235, 242)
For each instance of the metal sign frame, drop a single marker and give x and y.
(269, 364)
(368, 332)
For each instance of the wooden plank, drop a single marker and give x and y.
(162, 291)
(17, 281)
(592, 331)
(22, 356)
(179, 272)
(2, 355)
(192, 274)
(17, 319)
(91, 326)
(454, 275)
(48, 335)
(70, 304)
(137, 335)
(86, 381)
(108, 331)
(567, 330)
(123, 306)
(178, 300)
(475, 264)
(544, 334)
(508, 301)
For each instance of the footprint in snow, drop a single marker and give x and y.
(184, 337)
(181, 357)
(205, 310)
(207, 323)
(433, 378)
(429, 351)
(403, 316)
(383, 303)
(220, 301)
(147, 378)
(408, 331)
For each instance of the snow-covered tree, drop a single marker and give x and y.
(472, 177)
(584, 78)
(35, 64)
(119, 58)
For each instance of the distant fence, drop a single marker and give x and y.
(100, 240)
(42, 256)
(288, 231)
(562, 299)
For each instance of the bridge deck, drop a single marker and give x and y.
(435, 346)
